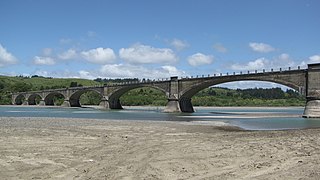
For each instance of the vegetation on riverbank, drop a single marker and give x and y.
(214, 96)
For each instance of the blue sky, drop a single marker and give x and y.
(155, 39)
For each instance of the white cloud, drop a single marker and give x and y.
(179, 44)
(99, 55)
(67, 55)
(312, 60)
(6, 58)
(199, 59)
(65, 41)
(220, 48)
(143, 54)
(47, 51)
(86, 75)
(38, 60)
(133, 71)
(258, 64)
(261, 47)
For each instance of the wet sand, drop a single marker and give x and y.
(60, 148)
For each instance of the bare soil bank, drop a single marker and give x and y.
(42, 148)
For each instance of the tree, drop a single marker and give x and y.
(73, 84)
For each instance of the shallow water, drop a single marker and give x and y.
(249, 118)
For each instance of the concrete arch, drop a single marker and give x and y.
(114, 97)
(49, 98)
(74, 98)
(32, 99)
(188, 93)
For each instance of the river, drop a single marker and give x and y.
(249, 118)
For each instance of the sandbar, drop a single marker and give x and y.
(66, 148)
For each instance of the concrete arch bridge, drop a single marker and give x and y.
(179, 91)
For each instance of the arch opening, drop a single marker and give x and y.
(34, 99)
(85, 98)
(19, 100)
(133, 97)
(144, 96)
(54, 99)
(241, 93)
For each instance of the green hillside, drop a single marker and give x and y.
(21, 83)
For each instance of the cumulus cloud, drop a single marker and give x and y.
(99, 55)
(261, 47)
(47, 51)
(38, 60)
(314, 59)
(65, 41)
(6, 58)
(179, 44)
(67, 55)
(199, 59)
(311, 60)
(220, 48)
(127, 70)
(257, 64)
(143, 54)
(283, 60)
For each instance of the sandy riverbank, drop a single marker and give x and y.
(42, 148)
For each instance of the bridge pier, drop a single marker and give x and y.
(25, 102)
(104, 103)
(186, 105)
(66, 103)
(115, 104)
(172, 106)
(42, 103)
(312, 109)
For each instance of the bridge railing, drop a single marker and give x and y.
(244, 73)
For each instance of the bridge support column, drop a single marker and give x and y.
(115, 104)
(104, 103)
(66, 103)
(25, 102)
(173, 96)
(186, 105)
(172, 106)
(42, 103)
(312, 109)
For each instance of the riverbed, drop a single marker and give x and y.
(247, 118)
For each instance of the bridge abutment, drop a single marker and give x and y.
(312, 108)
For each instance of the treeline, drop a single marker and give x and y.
(216, 96)
(248, 97)
(114, 81)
